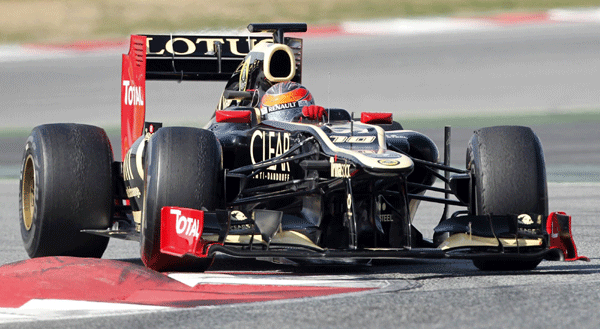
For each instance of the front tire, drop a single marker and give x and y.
(183, 169)
(507, 164)
(65, 186)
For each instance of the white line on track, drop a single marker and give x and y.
(193, 279)
(58, 309)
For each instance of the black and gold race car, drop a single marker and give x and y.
(304, 189)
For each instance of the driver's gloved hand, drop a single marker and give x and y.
(313, 112)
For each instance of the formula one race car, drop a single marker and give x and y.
(255, 183)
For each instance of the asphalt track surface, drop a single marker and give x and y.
(532, 68)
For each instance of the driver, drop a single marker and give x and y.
(289, 101)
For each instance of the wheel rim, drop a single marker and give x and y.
(28, 195)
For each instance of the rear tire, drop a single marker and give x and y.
(183, 168)
(508, 166)
(65, 186)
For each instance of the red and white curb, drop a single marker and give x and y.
(67, 287)
(400, 26)
(575, 15)
(408, 26)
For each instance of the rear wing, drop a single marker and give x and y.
(187, 57)
(212, 58)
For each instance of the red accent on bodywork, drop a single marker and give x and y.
(181, 232)
(376, 117)
(558, 227)
(133, 93)
(234, 116)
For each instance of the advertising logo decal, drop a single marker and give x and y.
(388, 162)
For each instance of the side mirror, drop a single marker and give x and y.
(376, 117)
(244, 116)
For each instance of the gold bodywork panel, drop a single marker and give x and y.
(285, 237)
(400, 161)
(465, 240)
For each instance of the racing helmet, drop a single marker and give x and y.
(284, 101)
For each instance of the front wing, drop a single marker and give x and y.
(190, 232)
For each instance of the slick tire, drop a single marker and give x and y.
(183, 169)
(508, 167)
(65, 186)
